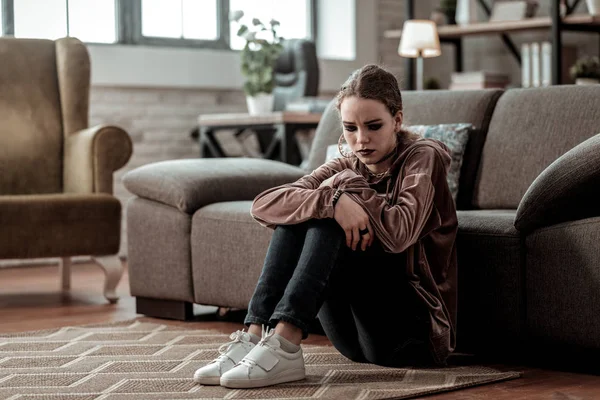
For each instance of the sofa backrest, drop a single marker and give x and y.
(44, 96)
(427, 108)
(530, 128)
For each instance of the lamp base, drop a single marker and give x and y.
(419, 73)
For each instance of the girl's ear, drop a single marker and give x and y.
(398, 118)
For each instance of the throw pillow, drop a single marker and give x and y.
(455, 136)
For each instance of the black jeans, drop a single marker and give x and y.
(362, 299)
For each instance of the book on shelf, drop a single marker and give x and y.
(536, 64)
(526, 65)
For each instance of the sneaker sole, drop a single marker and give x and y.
(209, 380)
(283, 377)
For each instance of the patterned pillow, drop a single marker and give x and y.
(455, 136)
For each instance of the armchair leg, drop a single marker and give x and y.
(64, 270)
(113, 269)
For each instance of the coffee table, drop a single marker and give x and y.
(284, 124)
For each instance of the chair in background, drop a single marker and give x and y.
(56, 176)
(296, 75)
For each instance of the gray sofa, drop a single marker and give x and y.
(528, 211)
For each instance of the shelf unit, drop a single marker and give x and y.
(454, 34)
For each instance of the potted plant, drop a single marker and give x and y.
(258, 57)
(448, 7)
(586, 71)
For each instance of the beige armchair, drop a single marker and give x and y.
(56, 173)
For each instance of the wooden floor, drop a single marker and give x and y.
(30, 299)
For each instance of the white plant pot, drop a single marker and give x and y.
(262, 103)
(586, 81)
(593, 6)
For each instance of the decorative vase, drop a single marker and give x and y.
(586, 81)
(466, 12)
(593, 6)
(261, 103)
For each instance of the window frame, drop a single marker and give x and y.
(136, 36)
(128, 20)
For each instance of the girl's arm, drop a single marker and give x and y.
(413, 214)
(299, 201)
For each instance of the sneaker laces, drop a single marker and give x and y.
(266, 335)
(236, 337)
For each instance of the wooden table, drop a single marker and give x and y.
(281, 125)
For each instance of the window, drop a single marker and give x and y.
(183, 19)
(294, 16)
(50, 19)
(193, 23)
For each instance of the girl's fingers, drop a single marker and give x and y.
(355, 238)
(371, 233)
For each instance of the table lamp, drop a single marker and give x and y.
(419, 40)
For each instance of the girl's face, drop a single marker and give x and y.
(370, 130)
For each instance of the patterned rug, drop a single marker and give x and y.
(145, 360)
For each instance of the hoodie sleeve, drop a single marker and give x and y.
(413, 213)
(299, 201)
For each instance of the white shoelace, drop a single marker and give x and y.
(266, 335)
(236, 337)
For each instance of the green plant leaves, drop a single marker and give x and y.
(259, 55)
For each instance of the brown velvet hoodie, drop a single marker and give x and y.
(411, 210)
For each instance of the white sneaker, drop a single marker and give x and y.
(230, 354)
(265, 365)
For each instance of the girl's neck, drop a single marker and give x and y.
(383, 165)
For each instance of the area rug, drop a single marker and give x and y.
(145, 360)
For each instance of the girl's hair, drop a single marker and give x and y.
(375, 83)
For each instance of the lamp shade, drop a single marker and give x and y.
(419, 39)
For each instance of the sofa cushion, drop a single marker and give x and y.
(228, 252)
(192, 184)
(491, 310)
(429, 107)
(531, 128)
(565, 191)
(59, 225)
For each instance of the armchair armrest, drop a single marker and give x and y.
(567, 190)
(91, 156)
(191, 184)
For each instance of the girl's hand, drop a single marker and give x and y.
(352, 218)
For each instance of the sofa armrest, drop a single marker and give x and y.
(91, 156)
(567, 190)
(191, 184)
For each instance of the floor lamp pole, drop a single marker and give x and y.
(419, 72)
